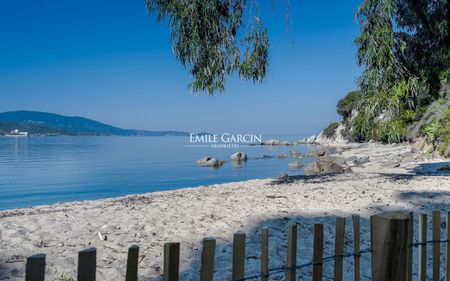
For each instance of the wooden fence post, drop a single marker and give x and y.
(409, 253)
(318, 253)
(389, 243)
(87, 265)
(265, 254)
(356, 246)
(238, 256)
(35, 268)
(447, 259)
(339, 249)
(422, 247)
(436, 222)
(291, 253)
(208, 253)
(132, 264)
(171, 261)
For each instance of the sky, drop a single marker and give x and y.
(110, 61)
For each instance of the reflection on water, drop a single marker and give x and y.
(43, 170)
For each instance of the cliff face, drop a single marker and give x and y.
(427, 125)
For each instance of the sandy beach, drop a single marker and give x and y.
(395, 178)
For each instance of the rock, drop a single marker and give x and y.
(282, 156)
(317, 153)
(352, 159)
(283, 176)
(295, 154)
(262, 157)
(210, 162)
(311, 139)
(361, 160)
(276, 142)
(339, 160)
(271, 142)
(326, 165)
(239, 156)
(295, 165)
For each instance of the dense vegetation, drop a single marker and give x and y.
(404, 47)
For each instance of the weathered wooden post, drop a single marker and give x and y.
(35, 268)
(265, 254)
(317, 273)
(171, 261)
(87, 265)
(389, 237)
(132, 264)
(357, 246)
(238, 256)
(339, 249)
(291, 262)
(208, 253)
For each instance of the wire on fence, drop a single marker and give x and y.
(279, 270)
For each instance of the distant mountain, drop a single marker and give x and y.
(43, 123)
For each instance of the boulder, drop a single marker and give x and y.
(295, 165)
(271, 142)
(317, 153)
(311, 139)
(295, 154)
(239, 156)
(210, 162)
(326, 165)
(263, 156)
(282, 176)
(361, 160)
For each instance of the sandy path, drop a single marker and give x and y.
(188, 215)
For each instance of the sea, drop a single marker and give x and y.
(44, 170)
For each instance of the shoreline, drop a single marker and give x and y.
(188, 215)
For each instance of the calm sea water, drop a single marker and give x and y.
(44, 170)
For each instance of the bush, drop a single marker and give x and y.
(330, 130)
(347, 104)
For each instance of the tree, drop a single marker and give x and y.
(404, 50)
(212, 39)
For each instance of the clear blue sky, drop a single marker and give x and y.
(110, 61)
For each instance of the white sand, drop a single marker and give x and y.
(188, 215)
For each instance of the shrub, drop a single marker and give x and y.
(347, 104)
(330, 130)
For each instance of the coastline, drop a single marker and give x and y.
(188, 215)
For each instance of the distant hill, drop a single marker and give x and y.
(43, 123)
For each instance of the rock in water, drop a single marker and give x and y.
(239, 156)
(210, 162)
(295, 165)
(283, 176)
(295, 154)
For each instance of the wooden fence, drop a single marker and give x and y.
(392, 246)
